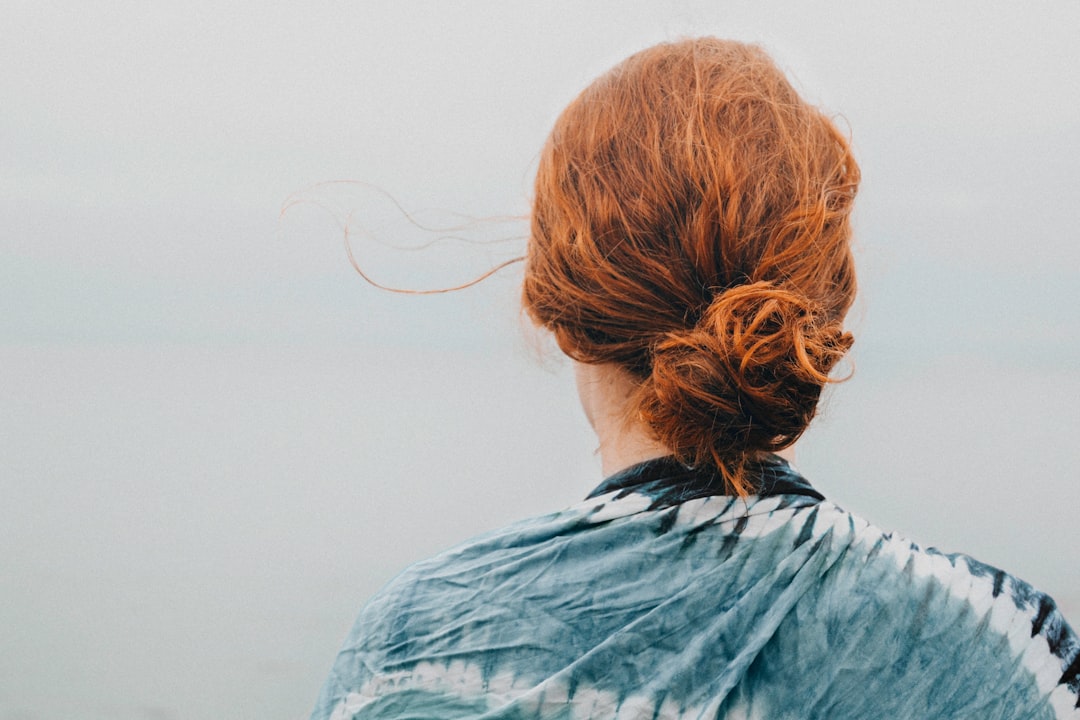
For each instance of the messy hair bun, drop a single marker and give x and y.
(691, 225)
(745, 379)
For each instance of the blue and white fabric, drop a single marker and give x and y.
(661, 598)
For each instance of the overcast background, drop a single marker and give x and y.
(216, 440)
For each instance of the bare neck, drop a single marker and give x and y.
(606, 392)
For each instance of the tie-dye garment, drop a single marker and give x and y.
(661, 598)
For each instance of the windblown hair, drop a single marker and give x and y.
(691, 225)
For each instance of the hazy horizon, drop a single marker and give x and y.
(218, 440)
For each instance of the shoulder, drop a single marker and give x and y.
(792, 603)
(964, 631)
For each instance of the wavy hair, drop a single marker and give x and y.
(690, 224)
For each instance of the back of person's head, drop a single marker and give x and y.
(691, 226)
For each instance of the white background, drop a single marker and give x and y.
(216, 440)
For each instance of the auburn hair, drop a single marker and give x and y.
(691, 225)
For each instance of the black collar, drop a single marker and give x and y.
(669, 482)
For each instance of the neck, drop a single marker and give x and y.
(606, 392)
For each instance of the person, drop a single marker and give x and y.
(690, 251)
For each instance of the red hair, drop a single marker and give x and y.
(691, 225)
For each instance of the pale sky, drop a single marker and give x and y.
(216, 440)
(148, 147)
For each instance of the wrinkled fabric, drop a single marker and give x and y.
(660, 598)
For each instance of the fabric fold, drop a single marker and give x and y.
(660, 597)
